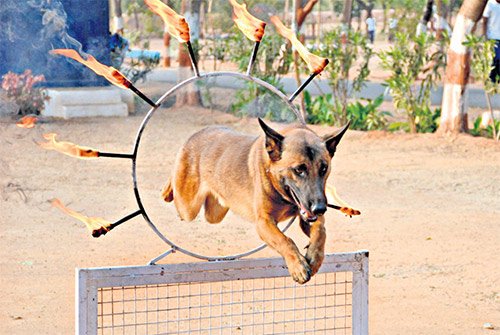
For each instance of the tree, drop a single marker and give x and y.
(191, 10)
(166, 44)
(441, 23)
(453, 108)
(118, 20)
(347, 14)
(422, 25)
(366, 6)
(302, 8)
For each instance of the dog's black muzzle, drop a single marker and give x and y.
(308, 212)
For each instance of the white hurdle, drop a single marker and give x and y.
(245, 296)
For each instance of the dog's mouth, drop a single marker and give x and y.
(304, 212)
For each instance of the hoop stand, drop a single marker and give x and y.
(247, 77)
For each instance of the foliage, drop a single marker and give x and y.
(321, 110)
(24, 91)
(273, 63)
(479, 130)
(427, 121)
(219, 49)
(367, 117)
(482, 60)
(409, 14)
(147, 24)
(136, 69)
(344, 51)
(481, 65)
(411, 59)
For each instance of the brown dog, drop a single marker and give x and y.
(265, 179)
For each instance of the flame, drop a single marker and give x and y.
(175, 23)
(27, 122)
(110, 73)
(333, 197)
(67, 148)
(316, 64)
(93, 223)
(252, 27)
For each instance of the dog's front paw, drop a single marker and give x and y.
(299, 269)
(314, 257)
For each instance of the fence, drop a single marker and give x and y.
(249, 296)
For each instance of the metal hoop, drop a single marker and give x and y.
(151, 112)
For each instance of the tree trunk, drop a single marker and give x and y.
(441, 18)
(384, 12)
(453, 108)
(191, 96)
(118, 19)
(347, 14)
(166, 44)
(318, 22)
(136, 19)
(422, 25)
(449, 10)
(301, 9)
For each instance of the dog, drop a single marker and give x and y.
(265, 179)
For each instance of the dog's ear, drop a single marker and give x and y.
(274, 141)
(333, 140)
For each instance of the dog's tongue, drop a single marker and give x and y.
(306, 214)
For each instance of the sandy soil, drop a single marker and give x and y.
(429, 218)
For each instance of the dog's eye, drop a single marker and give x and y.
(301, 170)
(323, 169)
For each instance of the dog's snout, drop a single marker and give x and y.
(318, 208)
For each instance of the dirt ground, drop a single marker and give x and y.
(429, 204)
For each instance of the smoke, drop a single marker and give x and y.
(54, 21)
(7, 27)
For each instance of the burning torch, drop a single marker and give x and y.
(316, 64)
(110, 73)
(176, 26)
(250, 26)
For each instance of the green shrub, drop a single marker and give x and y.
(426, 121)
(481, 65)
(485, 132)
(272, 63)
(408, 60)
(344, 50)
(323, 110)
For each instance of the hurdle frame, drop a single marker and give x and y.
(89, 280)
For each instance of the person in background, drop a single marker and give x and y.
(393, 24)
(118, 46)
(491, 25)
(439, 24)
(370, 27)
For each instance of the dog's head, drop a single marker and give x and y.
(299, 165)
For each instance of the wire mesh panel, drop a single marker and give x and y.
(231, 297)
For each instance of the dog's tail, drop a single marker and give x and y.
(168, 192)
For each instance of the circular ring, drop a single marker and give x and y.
(138, 141)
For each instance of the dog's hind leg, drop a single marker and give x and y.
(168, 192)
(214, 211)
(189, 193)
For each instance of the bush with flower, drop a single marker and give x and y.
(23, 90)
